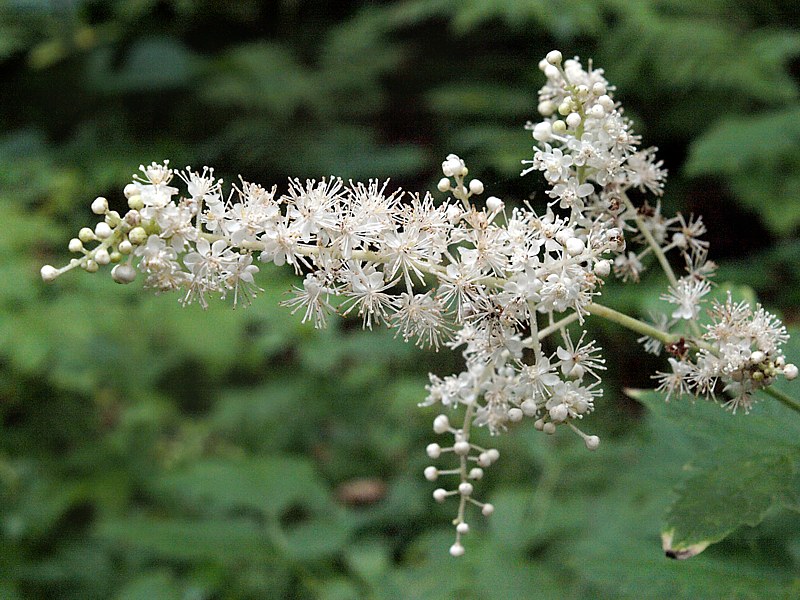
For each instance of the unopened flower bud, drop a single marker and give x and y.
(123, 273)
(102, 256)
(494, 454)
(757, 357)
(592, 442)
(559, 127)
(559, 412)
(131, 190)
(552, 72)
(461, 448)
(457, 550)
(476, 187)
(443, 185)
(606, 102)
(597, 111)
(546, 108)
(554, 57)
(598, 89)
(125, 247)
(137, 236)
(75, 245)
(543, 132)
(515, 415)
(549, 428)
(48, 273)
(90, 266)
(487, 509)
(476, 473)
(790, 372)
(602, 268)
(86, 235)
(136, 202)
(493, 204)
(465, 488)
(573, 120)
(102, 230)
(575, 246)
(565, 108)
(462, 528)
(439, 494)
(100, 206)
(441, 424)
(431, 473)
(433, 450)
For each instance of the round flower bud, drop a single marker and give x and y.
(86, 235)
(465, 488)
(494, 454)
(549, 428)
(559, 412)
(453, 166)
(75, 245)
(113, 218)
(441, 424)
(515, 415)
(439, 494)
(565, 108)
(48, 273)
(606, 102)
(484, 460)
(582, 92)
(597, 111)
(757, 357)
(461, 448)
(135, 202)
(602, 268)
(116, 256)
(554, 57)
(592, 442)
(546, 108)
(790, 372)
(102, 230)
(487, 509)
(552, 72)
(123, 273)
(102, 257)
(457, 550)
(131, 190)
(476, 473)
(137, 236)
(90, 266)
(433, 450)
(125, 247)
(543, 132)
(573, 120)
(538, 424)
(462, 528)
(431, 473)
(575, 246)
(559, 127)
(493, 203)
(476, 186)
(598, 89)
(443, 185)
(100, 206)
(542, 64)
(529, 407)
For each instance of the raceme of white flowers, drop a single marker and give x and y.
(473, 275)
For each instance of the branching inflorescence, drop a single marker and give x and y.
(489, 280)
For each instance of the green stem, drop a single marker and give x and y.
(662, 259)
(784, 399)
(631, 323)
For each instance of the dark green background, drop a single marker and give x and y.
(149, 451)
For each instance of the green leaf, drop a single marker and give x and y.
(744, 466)
(716, 500)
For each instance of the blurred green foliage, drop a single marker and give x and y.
(149, 451)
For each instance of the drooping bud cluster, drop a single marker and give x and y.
(491, 281)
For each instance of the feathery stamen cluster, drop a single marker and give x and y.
(491, 281)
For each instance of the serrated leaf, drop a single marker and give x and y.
(716, 500)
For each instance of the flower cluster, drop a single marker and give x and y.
(492, 281)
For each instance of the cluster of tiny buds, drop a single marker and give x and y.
(467, 453)
(115, 237)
